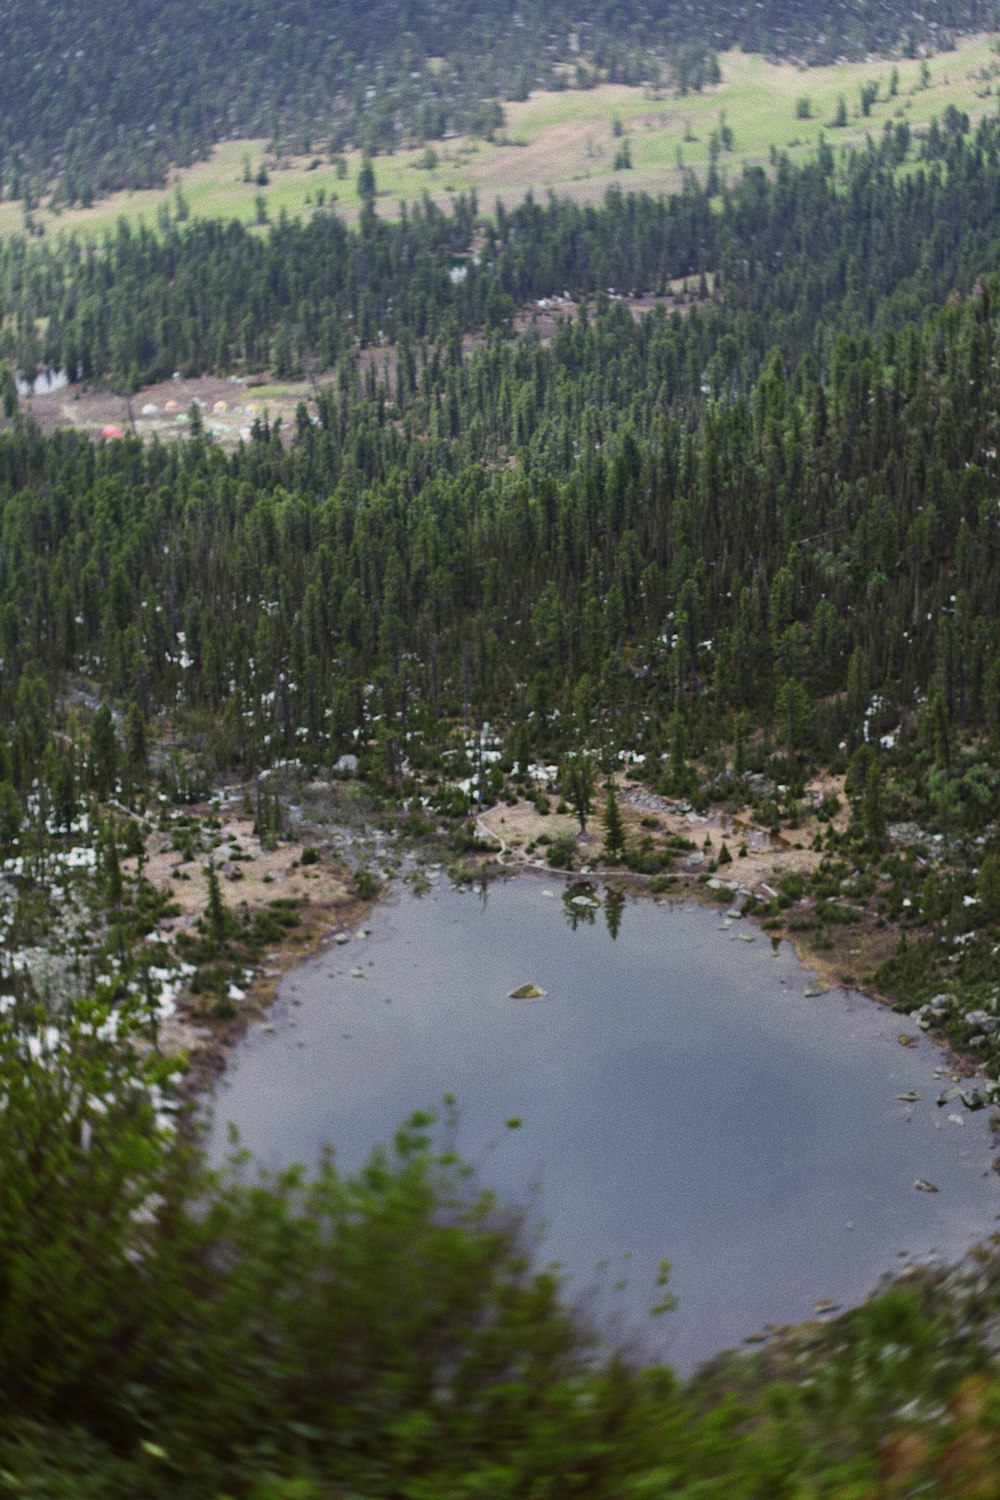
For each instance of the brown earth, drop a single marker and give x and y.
(765, 863)
(237, 399)
(840, 955)
(324, 900)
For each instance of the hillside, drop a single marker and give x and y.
(383, 541)
(101, 112)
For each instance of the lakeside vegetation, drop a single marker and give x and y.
(600, 514)
(384, 1335)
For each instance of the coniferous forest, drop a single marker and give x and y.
(731, 523)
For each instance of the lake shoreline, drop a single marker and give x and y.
(828, 966)
(320, 992)
(211, 1057)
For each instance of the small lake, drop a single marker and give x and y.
(681, 1097)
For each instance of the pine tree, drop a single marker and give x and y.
(136, 746)
(988, 888)
(366, 183)
(740, 747)
(103, 759)
(217, 917)
(112, 869)
(614, 828)
(873, 810)
(940, 731)
(579, 785)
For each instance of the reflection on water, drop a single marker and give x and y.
(43, 384)
(680, 1095)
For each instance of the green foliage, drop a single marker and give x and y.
(366, 884)
(366, 182)
(988, 889)
(162, 1309)
(561, 853)
(578, 786)
(80, 1156)
(771, 520)
(103, 756)
(873, 810)
(216, 919)
(170, 1331)
(374, 76)
(614, 827)
(869, 96)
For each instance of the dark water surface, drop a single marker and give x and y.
(680, 1095)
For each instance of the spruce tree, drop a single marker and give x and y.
(112, 869)
(217, 922)
(579, 786)
(873, 810)
(614, 828)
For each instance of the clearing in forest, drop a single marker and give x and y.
(568, 142)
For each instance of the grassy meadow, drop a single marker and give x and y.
(567, 142)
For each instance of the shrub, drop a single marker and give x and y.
(561, 854)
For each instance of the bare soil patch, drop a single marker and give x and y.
(228, 408)
(252, 877)
(760, 863)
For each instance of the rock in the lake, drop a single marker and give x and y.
(528, 992)
(906, 1040)
(812, 990)
(824, 1305)
(923, 1186)
(910, 1097)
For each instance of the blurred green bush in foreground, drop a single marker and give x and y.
(170, 1331)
